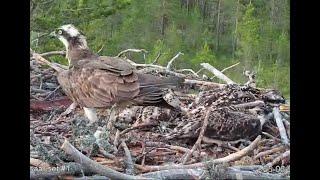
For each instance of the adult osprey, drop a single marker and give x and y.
(94, 81)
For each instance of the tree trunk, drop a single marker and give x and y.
(234, 42)
(218, 26)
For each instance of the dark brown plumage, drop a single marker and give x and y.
(99, 81)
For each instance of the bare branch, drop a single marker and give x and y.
(100, 49)
(173, 59)
(218, 73)
(230, 67)
(129, 163)
(156, 59)
(188, 70)
(282, 129)
(198, 142)
(52, 53)
(93, 166)
(231, 157)
(132, 50)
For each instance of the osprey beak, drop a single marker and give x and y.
(53, 34)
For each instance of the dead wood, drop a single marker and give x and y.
(51, 172)
(279, 158)
(173, 59)
(198, 142)
(282, 129)
(132, 50)
(271, 151)
(229, 158)
(220, 173)
(93, 166)
(38, 163)
(129, 163)
(217, 73)
(52, 53)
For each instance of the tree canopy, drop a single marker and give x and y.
(255, 33)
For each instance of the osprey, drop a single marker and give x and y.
(94, 81)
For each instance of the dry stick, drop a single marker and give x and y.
(55, 66)
(282, 129)
(173, 59)
(100, 49)
(227, 68)
(219, 143)
(200, 173)
(188, 70)
(279, 158)
(38, 163)
(230, 67)
(249, 104)
(51, 53)
(50, 173)
(156, 59)
(231, 157)
(132, 50)
(270, 151)
(217, 73)
(116, 140)
(270, 136)
(129, 163)
(198, 142)
(93, 166)
(204, 83)
(140, 126)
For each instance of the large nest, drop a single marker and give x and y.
(223, 129)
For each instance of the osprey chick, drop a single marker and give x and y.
(94, 81)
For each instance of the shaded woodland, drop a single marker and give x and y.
(255, 33)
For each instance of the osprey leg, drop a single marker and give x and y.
(91, 114)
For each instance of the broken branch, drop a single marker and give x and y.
(217, 73)
(173, 59)
(93, 166)
(282, 129)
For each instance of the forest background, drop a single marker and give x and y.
(255, 33)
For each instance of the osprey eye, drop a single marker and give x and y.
(59, 31)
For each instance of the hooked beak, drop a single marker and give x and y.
(53, 34)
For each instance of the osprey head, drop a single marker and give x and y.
(70, 36)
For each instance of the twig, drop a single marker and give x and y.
(270, 151)
(249, 104)
(282, 129)
(188, 70)
(227, 68)
(93, 166)
(51, 172)
(156, 59)
(231, 157)
(136, 127)
(38, 163)
(100, 49)
(270, 136)
(55, 66)
(223, 70)
(116, 140)
(129, 163)
(201, 173)
(173, 59)
(218, 73)
(198, 142)
(219, 143)
(52, 92)
(132, 50)
(52, 53)
(279, 158)
(211, 85)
